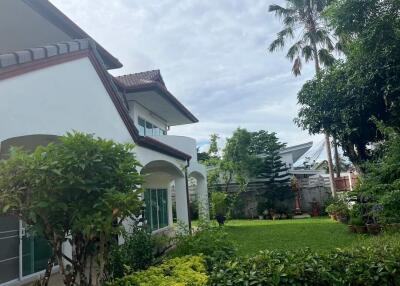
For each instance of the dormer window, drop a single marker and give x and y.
(147, 128)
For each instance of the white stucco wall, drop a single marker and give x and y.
(58, 99)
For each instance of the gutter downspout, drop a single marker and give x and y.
(187, 195)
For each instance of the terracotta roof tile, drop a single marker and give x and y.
(141, 78)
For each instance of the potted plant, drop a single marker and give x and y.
(338, 210)
(359, 225)
(332, 211)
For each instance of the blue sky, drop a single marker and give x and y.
(212, 55)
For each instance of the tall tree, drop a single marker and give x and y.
(303, 18)
(237, 161)
(344, 98)
(271, 168)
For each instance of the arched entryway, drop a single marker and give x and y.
(198, 190)
(160, 178)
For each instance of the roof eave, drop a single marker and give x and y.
(155, 86)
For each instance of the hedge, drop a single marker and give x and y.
(376, 262)
(373, 264)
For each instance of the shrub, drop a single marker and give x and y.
(219, 206)
(180, 271)
(210, 241)
(390, 203)
(338, 208)
(136, 253)
(376, 263)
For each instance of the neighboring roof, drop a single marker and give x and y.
(297, 147)
(59, 19)
(20, 62)
(151, 80)
(137, 79)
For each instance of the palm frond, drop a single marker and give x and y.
(307, 53)
(287, 32)
(296, 69)
(289, 21)
(279, 10)
(325, 57)
(278, 43)
(294, 50)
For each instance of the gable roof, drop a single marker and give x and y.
(59, 19)
(152, 81)
(20, 62)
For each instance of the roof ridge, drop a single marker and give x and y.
(137, 73)
(45, 51)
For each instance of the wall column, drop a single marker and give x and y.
(203, 198)
(181, 200)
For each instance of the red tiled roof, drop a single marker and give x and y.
(151, 80)
(141, 78)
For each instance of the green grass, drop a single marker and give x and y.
(320, 234)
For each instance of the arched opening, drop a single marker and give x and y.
(32, 257)
(27, 142)
(198, 194)
(164, 194)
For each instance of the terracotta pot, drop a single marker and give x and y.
(374, 228)
(352, 228)
(361, 228)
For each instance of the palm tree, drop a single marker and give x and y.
(304, 24)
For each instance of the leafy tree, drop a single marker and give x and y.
(336, 102)
(345, 98)
(304, 19)
(237, 161)
(77, 191)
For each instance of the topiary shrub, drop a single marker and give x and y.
(180, 271)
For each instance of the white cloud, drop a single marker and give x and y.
(212, 55)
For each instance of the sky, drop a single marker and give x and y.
(213, 56)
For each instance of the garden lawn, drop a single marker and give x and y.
(320, 234)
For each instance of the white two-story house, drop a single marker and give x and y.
(54, 79)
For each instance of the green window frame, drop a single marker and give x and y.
(156, 212)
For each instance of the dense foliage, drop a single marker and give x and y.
(78, 190)
(372, 264)
(136, 253)
(378, 194)
(180, 271)
(342, 100)
(209, 241)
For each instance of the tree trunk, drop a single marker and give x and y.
(327, 141)
(330, 165)
(337, 159)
